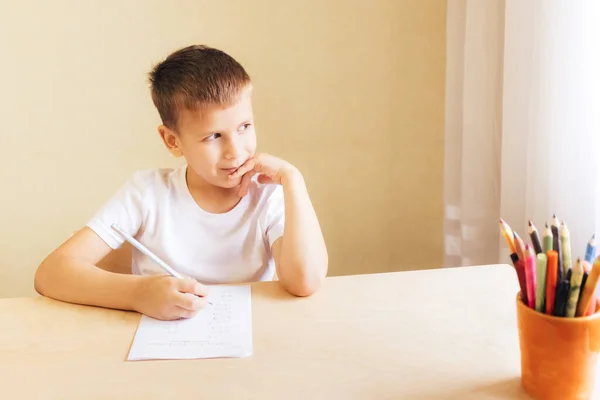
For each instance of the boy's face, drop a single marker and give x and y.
(215, 141)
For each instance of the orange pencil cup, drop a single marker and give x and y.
(558, 354)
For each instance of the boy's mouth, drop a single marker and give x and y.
(232, 169)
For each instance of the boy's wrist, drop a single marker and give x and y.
(291, 176)
(137, 283)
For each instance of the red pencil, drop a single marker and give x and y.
(520, 270)
(551, 279)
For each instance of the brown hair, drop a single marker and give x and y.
(192, 77)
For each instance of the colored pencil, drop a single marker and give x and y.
(535, 238)
(507, 232)
(551, 280)
(530, 275)
(592, 308)
(574, 288)
(589, 289)
(541, 271)
(590, 249)
(547, 238)
(586, 270)
(565, 246)
(520, 270)
(560, 301)
(556, 246)
(519, 246)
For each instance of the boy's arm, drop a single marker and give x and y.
(300, 254)
(70, 274)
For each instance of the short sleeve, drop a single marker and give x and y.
(275, 216)
(125, 209)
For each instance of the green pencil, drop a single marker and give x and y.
(574, 288)
(540, 288)
(547, 239)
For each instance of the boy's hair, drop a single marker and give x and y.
(193, 77)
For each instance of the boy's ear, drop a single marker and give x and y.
(171, 140)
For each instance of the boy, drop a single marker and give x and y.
(228, 215)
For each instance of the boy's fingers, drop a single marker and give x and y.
(190, 302)
(246, 182)
(247, 166)
(184, 313)
(190, 285)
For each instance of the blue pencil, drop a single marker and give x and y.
(590, 249)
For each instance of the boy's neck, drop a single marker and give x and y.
(211, 198)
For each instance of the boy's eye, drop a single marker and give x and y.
(244, 127)
(213, 136)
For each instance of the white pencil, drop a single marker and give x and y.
(147, 252)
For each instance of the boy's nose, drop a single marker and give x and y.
(232, 151)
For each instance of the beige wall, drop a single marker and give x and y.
(359, 84)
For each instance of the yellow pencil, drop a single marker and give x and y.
(508, 235)
(519, 246)
(589, 289)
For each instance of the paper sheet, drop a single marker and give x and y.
(223, 329)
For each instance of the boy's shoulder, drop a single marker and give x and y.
(155, 178)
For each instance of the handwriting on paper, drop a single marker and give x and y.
(223, 329)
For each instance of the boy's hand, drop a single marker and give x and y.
(270, 169)
(167, 298)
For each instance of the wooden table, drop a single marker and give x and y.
(436, 334)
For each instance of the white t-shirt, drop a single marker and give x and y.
(156, 208)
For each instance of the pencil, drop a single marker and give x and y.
(587, 268)
(547, 238)
(520, 270)
(556, 246)
(574, 288)
(592, 308)
(148, 253)
(565, 246)
(590, 249)
(589, 289)
(508, 235)
(551, 281)
(541, 270)
(535, 238)
(530, 275)
(519, 246)
(562, 290)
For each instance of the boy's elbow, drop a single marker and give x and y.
(39, 279)
(43, 279)
(307, 283)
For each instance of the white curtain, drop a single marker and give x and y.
(522, 123)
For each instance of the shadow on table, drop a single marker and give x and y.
(506, 389)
